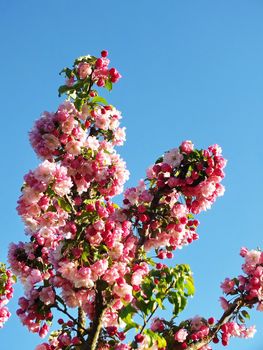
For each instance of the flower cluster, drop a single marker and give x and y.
(7, 279)
(88, 253)
(38, 204)
(198, 329)
(71, 131)
(78, 240)
(183, 182)
(233, 329)
(61, 339)
(96, 69)
(245, 292)
(249, 285)
(247, 289)
(193, 330)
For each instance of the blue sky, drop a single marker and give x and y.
(191, 70)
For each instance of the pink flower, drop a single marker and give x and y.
(43, 346)
(123, 291)
(249, 332)
(35, 276)
(252, 257)
(122, 347)
(179, 210)
(74, 147)
(196, 323)
(4, 315)
(157, 325)
(181, 335)
(99, 267)
(92, 143)
(187, 147)
(173, 157)
(84, 69)
(224, 303)
(47, 295)
(228, 285)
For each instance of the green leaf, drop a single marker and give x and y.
(148, 288)
(78, 103)
(14, 278)
(245, 314)
(183, 304)
(130, 326)
(145, 307)
(85, 256)
(189, 285)
(62, 89)
(67, 71)
(64, 204)
(160, 303)
(159, 160)
(180, 283)
(52, 208)
(126, 314)
(72, 95)
(126, 310)
(50, 192)
(108, 85)
(99, 99)
(161, 342)
(241, 319)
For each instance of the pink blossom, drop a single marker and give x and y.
(228, 285)
(173, 157)
(43, 346)
(157, 325)
(224, 303)
(122, 347)
(187, 147)
(252, 257)
(47, 295)
(181, 335)
(35, 276)
(196, 323)
(92, 143)
(100, 267)
(79, 238)
(249, 332)
(74, 147)
(4, 315)
(84, 69)
(124, 291)
(179, 210)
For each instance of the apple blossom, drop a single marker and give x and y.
(87, 253)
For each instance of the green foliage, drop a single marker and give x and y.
(126, 314)
(161, 342)
(174, 285)
(99, 99)
(64, 204)
(108, 85)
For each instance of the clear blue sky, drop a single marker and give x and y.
(192, 69)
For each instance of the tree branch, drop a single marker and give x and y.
(96, 325)
(233, 308)
(81, 321)
(64, 311)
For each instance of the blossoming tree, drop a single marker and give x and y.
(98, 268)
